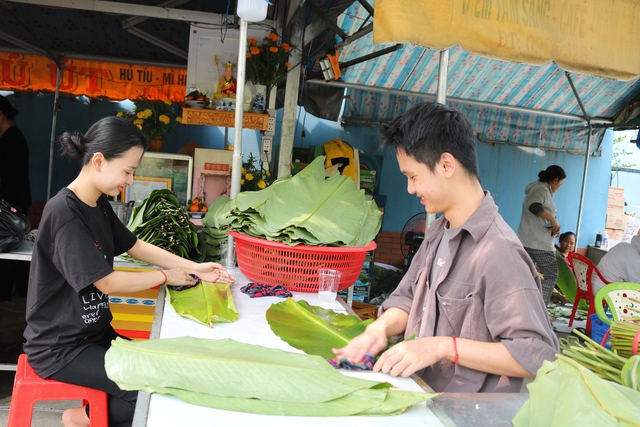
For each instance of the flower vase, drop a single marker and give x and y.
(155, 143)
(259, 102)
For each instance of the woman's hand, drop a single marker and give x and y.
(555, 227)
(213, 272)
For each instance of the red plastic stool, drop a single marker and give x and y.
(29, 388)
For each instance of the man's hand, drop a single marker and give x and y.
(373, 340)
(408, 357)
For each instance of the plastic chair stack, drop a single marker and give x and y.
(583, 269)
(29, 388)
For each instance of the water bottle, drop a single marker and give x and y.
(605, 240)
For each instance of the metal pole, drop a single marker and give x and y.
(441, 98)
(586, 155)
(236, 163)
(53, 129)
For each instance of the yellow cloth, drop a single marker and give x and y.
(340, 153)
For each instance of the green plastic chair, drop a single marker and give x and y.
(622, 298)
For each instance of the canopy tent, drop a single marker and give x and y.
(508, 101)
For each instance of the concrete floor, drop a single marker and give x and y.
(12, 319)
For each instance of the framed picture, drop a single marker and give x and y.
(143, 186)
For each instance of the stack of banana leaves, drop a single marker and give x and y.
(306, 208)
(161, 221)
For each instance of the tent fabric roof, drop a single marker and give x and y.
(485, 89)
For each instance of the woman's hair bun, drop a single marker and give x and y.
(73, 144)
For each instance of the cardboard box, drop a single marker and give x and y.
(614, 234)
(616, 196)
(211, 173)
(618, 222)
(615, 209)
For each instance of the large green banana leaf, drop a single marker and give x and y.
(566, 281)
(313, 329)
(566, 394)
(303, 209)
(235, 376)
(207, 303)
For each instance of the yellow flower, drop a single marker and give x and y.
(267, 173)
(244, 171)
(242, 181)
(167, 101)
(153, 118)
(249, 177)
(179, 119)
(262, 184)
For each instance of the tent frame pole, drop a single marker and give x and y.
(586, 155)
(54, 120)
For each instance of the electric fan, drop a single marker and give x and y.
(412, 236)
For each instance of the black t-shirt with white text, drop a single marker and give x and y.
(74, 248)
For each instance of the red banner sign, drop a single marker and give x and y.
(94, 79)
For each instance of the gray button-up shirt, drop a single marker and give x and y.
(488, 290)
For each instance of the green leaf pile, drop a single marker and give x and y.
(212, 236)
(161, 221)
(306, 208)
(207, 303)
(312, 329)
(566, 393)
(233, 376)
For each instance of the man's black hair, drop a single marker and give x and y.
(429, 129)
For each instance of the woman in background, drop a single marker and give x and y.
(539, 227)
(15, 189)
(68, 317)
(567, 244)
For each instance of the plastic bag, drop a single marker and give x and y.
(13, 227)
(566, 394)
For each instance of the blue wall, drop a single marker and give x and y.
(35, 121)
(505, 170)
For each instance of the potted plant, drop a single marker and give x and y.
(153, 118)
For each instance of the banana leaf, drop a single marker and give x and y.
(206, 303)
(312, 329)
(566, 394)
(566, 281)
(229, 375)
(303, 209)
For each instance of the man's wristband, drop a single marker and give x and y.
(455, 350)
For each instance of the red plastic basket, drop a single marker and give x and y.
(274, 263)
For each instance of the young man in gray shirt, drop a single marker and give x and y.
(472, 296)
